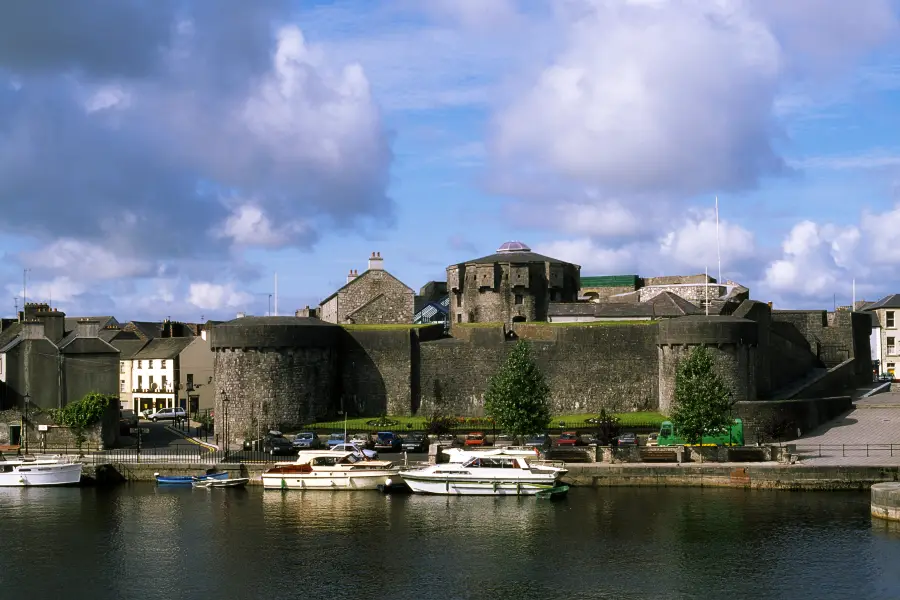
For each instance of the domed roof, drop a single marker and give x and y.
(513, 247)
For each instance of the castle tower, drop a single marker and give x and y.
(732, 342)
(512, 285)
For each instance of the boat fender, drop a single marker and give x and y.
(388, 482)
(156, 474)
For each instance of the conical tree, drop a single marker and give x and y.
(702, 400)
(517, 397)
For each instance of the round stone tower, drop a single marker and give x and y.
(272, 372)
(731, 341)
(512, 285)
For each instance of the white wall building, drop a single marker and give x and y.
(154, 373)
(885, 340)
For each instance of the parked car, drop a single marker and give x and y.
(272, 443)
(627, 439)
(653, 439)
(541, 441)
(568, 439)
(357, 450)
(388, 441)
(307, 440)
(448, 440)
(334, 439)
(170, 414)
(475, 440)
(362, 440)
(145, 414)
(504, 440)
(416, 442)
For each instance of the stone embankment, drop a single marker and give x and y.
(886, 501)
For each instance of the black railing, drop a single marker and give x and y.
(846, 450)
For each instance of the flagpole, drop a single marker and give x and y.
(707, 290)
(718, 251)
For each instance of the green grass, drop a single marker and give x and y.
(629, 419)
(362, 327)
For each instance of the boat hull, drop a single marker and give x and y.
(42, 475)
(457, 486)
(188, 480)
(327, 481)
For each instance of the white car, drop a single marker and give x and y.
(360, 452)
(168, 413)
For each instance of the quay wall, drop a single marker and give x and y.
(886, 501)
(750, 476)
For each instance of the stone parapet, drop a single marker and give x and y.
(886, 501)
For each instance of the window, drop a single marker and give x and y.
(121, 366)
(151, 363)
(190, 381)
(163, 384)
(162, 364)
(890, 345)
(889, 318)
(140, 364)
(122, 385)
(140, 382)
(459, 317)
(458, 300)
(519, 299)
(151, 382)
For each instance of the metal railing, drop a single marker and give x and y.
(845, 450)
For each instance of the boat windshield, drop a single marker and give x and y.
(493, 463)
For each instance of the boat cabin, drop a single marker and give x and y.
(496, 462)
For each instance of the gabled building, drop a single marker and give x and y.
(155, 372)
(372, 297)
(885, 340)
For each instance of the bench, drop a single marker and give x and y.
(658, 455)
(570, 455)
(746, 455)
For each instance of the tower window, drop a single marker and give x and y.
(519, 299)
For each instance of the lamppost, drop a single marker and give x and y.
(225, 420)
(25, 421)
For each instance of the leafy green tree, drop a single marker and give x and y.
(702, 400)
(517, 397)
(80, 415)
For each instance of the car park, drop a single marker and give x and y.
(307, 440)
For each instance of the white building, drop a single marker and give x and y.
(885, 340)
(155, 372)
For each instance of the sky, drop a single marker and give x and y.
(166, 158)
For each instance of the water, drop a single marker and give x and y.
(142, 542)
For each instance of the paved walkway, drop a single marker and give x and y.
(867, 435)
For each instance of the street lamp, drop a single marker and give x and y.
(225, 419)
(25, 421)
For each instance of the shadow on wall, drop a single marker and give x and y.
(361, 390)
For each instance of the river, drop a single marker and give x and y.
(138, 541)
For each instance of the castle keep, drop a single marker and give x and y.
(287, 371)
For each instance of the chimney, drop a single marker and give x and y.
(87, 328)
(54, 323)
(376, 263)
(32, 329)
(352, 275)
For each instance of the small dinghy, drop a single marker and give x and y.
(554, 493)
(238, 482)
(188, 480)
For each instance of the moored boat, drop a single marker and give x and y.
(328, 469)
(188, 480)
(238, 482)
(43, 471)
(486, 474)
(461, 455)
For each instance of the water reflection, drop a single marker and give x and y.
(146, 542)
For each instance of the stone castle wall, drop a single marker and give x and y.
(375, 297)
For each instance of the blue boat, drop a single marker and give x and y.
(188, 480)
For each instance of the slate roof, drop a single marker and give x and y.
(891, 301)
(664, 305)
(72, 344)
(128, 348)
(163, 348)
(514, 257)
(146, 329)
(9, 334)
(104, 321)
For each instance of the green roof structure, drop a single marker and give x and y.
(601, 281)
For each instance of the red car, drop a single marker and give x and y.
(476, 438)
(568, 438)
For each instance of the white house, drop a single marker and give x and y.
(155, 371)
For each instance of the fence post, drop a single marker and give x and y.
(843, 451)
(867, 451)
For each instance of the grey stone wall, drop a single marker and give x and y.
(280, 388)
(376, 296)
(780, 420)
(376, 372)
(735, 364)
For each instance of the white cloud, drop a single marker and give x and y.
(213, 296)
(594, 259)
(86, 260)
(248, 225)
(59, 289)
(694, 244)
(603, 219)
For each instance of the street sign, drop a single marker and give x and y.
(140, 430)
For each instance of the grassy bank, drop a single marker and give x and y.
(629, 419)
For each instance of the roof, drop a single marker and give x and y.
(163, 348)
(147, 329)
(72, 344)
(513, 247)
(104, 321)
(891, 301)
(360, 276)
(595, 281)
(663, 305)
(9, 334)
(514, 257)
(430, 310)
(128, 348)
(280, 321)
(668, 304)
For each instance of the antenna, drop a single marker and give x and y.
(24, 287)
(16, 303)
(718, 251)
(276, 294)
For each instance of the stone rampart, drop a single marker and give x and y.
(768, 421)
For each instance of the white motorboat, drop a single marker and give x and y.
(486, 474)
(42, 471)
(327, 469)
(461, 455)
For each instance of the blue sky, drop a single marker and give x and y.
(166, 159)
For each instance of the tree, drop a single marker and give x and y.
(80, 415)
(702, 400)
(607, 427)
(517, 397)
